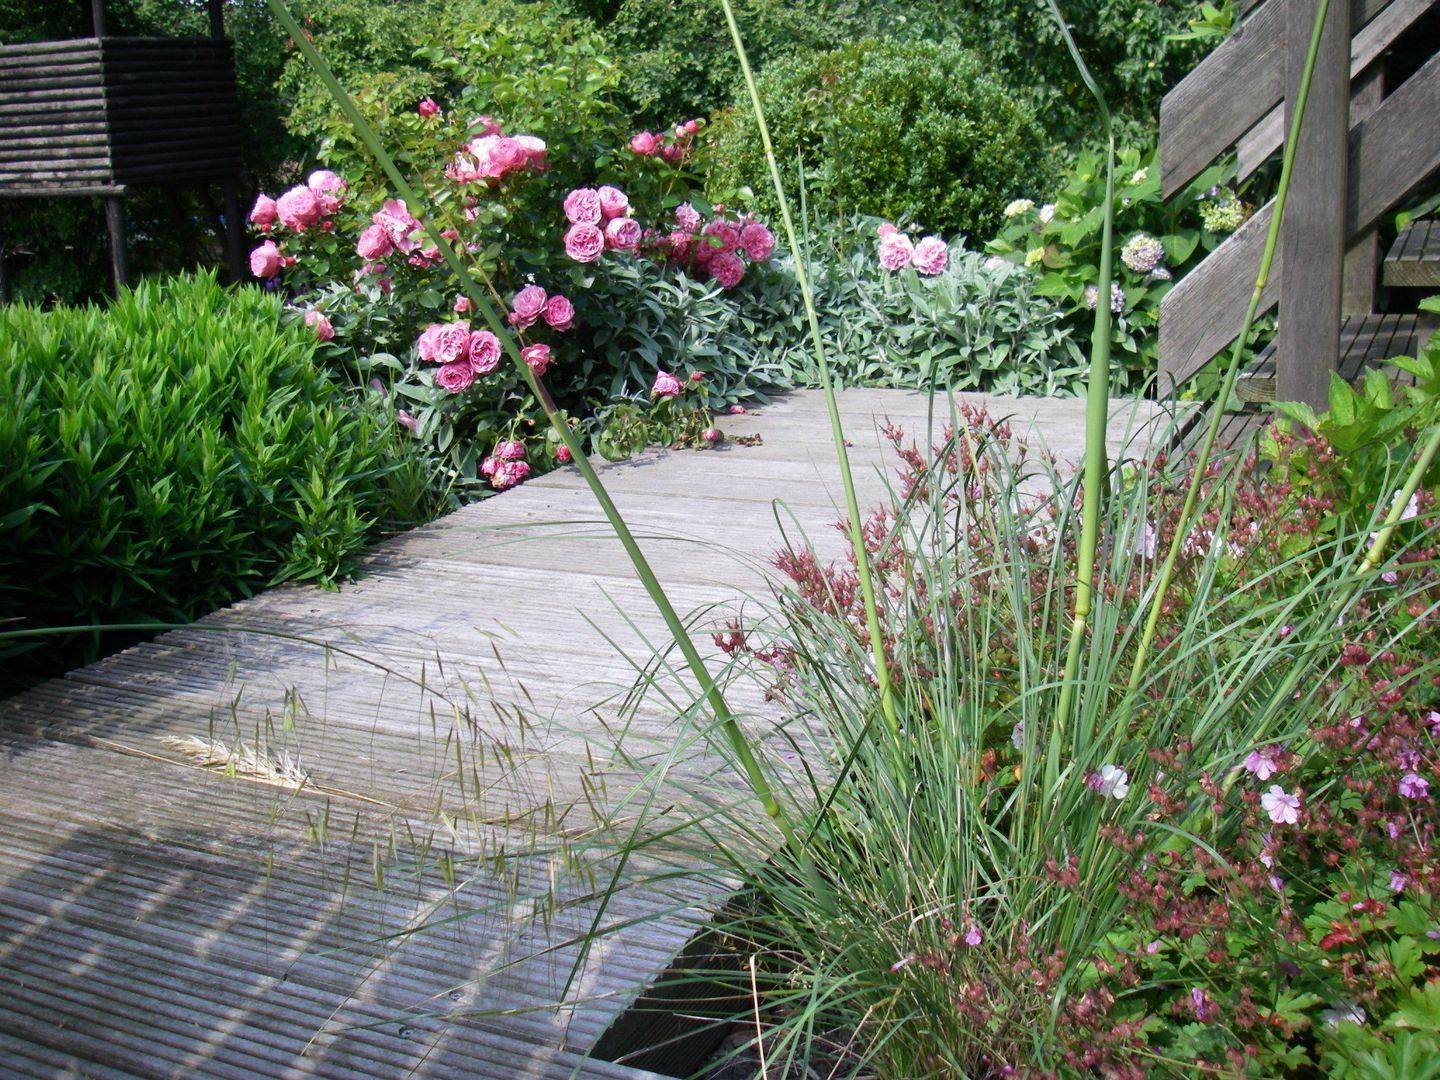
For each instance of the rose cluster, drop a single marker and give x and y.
(599, 220)
(716, 246)
(929, 256)
(506, 465)
(672, 148)
(462, 353)
(303, 207)
(492, 155)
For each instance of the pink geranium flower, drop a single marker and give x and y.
(265, 260)
(1414, 786)
(325, 184)
(1261, 763)
(508, 473)
(1283, 808)
(511, 450)
(723, 236)
(666, 385)
(584, 243)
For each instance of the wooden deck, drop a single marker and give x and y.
(388, 916)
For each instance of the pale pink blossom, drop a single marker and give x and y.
(484, 352)
(429, 337)
(622, 233)
(885, 229)
(509, 450)
(398, 224)
(452, 344)
(931, 256)
(687, 217)
(613, 202)
(1261, 763)
(405, 420)
(374, 243)
(537, 357)
(485, 125)
(972, 936)
(527, 306)
(666, 385)
(1283, 808)
(1111, 781)
(317, 321)
(298, 209)
(1414, 786)
(583, 207)
(325, 184)
(584, 243)
(461, 305)
(265, 260)
(896, 251)
(533, 150)
(559, 313)
(263, 212)
(455, 377)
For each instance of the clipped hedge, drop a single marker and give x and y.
(170, 453)
(902, 131)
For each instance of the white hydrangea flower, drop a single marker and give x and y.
(1018, 207)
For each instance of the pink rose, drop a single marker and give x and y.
(642, 142)
(726, 268)
(374, 243)
(452, 343)
(509, 473)
(537, 356)
(265, 260)
(425, 348)
(613, 202)
(461, 305)
(484, 352)
(584, 243)
(405, 420)
(895, 251)
(622, 233)
(757, 241)
(931, 256)
(395, 219)
(505, 156)
(324, 180)
(487, 125)
(559, 313)
(687, 217)
(562, 453)
(527, 306)
(533, 150)
(320, 324)
(455, 377)
(263, 212)
(427, 107)
(722, 231)
(583, 207)
(885, 230)
(298, 209)
(512, 450)
(666, 385)
(678, 243)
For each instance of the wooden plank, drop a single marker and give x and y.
(1222, 97)
(1395, 148)
(1414, 259)
(1262, 140)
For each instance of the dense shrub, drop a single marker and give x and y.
(171, 452)
(901, 131)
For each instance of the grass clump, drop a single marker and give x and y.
(173, 452)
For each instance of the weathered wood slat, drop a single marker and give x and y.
(1414, 260)
(1264, 139)
(1394, 147)
(49, 48)
(1366, 342)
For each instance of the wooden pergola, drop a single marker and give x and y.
(97, 116)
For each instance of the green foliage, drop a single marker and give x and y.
(902, 131)
(172, 452)
(977, 326)
(1062, 241)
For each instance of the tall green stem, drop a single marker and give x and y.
(482, 304)
(1097, 405)
(837, 434)
(1212, 431)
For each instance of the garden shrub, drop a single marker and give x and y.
(172, 452)
(903, 131)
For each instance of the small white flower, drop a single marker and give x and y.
(1047, 213)
(1283, 808)
(1139, 177)
(1343, 1011)
(1017, 736)
(1018, 207)
(1113, 782)
(1145, 541)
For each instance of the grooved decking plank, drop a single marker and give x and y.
(1414, 259)
(162, 919)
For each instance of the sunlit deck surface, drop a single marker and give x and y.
(448, 712)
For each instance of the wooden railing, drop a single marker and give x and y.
(1361, 150)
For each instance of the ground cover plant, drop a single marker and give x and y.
(172, 452)
(1073, 748)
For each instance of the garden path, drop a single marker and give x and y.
(164, 917)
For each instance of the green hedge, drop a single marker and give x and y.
(170, 453)
(901, 131)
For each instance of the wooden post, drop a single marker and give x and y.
(1313, 233)
(1362, 257)
(115, 223)
(97, 18)
(234, 231)
(217, 18)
